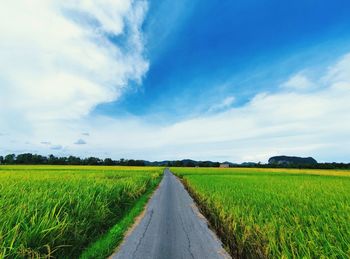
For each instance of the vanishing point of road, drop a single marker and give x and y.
(171, 228)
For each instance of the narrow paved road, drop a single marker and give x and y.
(172, 228)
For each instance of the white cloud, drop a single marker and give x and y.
(298, 82)
(53, 66)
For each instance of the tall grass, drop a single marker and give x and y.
(57, 211)
(275, 214)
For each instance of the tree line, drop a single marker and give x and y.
(298, 166)
(34, 159)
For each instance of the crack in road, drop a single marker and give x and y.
(188, 238)
(143, 234)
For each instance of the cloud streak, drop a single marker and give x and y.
(56, 147)
(80, 142)
(224, 104)
(299, 82)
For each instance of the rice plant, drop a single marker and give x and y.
(275, 213)
(57, 211)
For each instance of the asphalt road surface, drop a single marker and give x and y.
(171, 228)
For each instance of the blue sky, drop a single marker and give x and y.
(238, 80)
(213, 50)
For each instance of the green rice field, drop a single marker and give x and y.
(275, 213)
(61, 211)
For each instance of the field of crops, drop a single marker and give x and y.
(275, 213)
(58, 211)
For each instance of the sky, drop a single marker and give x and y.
(159, 79)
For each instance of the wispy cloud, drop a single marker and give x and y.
(224, 104)
(299, 82)
(80, 142)
(56, 147)
(51, 146)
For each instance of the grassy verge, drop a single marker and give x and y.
(107, 244)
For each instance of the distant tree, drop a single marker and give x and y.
(73, 160)
(26, 158)
(139, 163)
(39, 159)
(10, 159)
(122, 161)
(217, 164)
(93, 161)
(190, 164)
(169, 164)
(62, 161)
(1, 160)
(178, 163)
(51, 160)
(205, 164)
(130, 162)
(108, 161)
